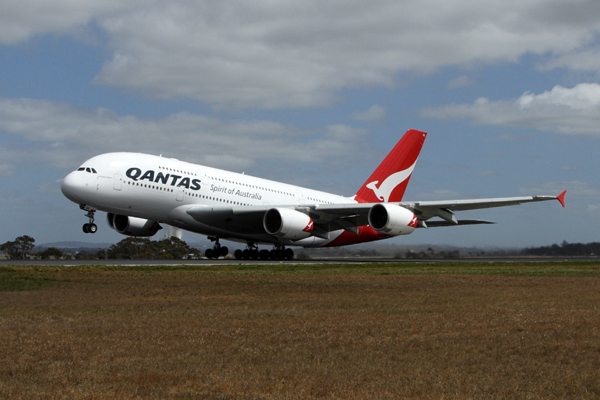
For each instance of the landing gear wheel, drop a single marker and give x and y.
(289, 254)
(90, 227)
(217, 251)
(238, 254)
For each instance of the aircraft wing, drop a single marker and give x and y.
(350, 216)
(444, 209)
(249, 220)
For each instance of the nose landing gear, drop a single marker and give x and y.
(90, 227)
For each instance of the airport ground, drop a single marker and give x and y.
(479, 330)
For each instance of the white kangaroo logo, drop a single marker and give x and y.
(384, 191)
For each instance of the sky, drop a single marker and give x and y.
(310, 93)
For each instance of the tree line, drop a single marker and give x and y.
(129, 248)
(565, 249)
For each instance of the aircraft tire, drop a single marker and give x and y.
(208, 253)
(289, 254)
(92, 228)
(238, 254)
(86, 228)
(224, 251)
(264, 254)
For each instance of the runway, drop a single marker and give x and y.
(312, 261)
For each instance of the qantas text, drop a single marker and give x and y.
(172, 179)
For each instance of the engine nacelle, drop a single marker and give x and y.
(392, 219)
(132, 226)
(287, 223)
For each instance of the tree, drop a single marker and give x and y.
(143, 248)
(131, 248)
(20, 248)
(173, 247)
(51, 252)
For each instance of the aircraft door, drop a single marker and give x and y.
(117, 181)
(300, 197)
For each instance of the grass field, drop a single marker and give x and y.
(280, 331)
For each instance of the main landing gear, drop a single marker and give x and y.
(90, 227)
(217, 250)
(252, 252)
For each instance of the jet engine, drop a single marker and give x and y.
(132, 226)
(286, 223)
(392, 219)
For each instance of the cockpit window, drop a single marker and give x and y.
(88, 170)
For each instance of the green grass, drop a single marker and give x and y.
(38, 277)
(475, 268)
(23, 278)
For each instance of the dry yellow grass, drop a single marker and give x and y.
(181, 334)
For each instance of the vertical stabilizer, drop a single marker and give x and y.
(389, 181)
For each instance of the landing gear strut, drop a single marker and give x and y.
(217, 250)
(90, 227)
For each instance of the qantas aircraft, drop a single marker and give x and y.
(140, 191)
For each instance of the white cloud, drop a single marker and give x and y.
(62, 135)
(22, 19)
(573, 111)
(587, 60)
(375, 113)
(286, 54)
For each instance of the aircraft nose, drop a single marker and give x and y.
(71, 186)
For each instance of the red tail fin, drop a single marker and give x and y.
(390, 179)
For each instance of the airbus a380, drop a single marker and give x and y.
(140, 191)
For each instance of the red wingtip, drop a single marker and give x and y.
(561, 198)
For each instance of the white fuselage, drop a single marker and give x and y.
(163, 189)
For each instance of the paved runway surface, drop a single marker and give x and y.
(353, 260)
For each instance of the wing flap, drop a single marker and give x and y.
(436, 224)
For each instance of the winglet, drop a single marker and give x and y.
(561, 198)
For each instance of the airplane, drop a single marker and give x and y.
(139, 192)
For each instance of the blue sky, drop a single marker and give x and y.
(313, 94)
